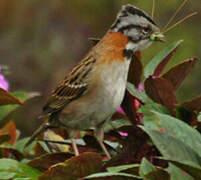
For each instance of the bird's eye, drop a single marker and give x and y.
(146, 29)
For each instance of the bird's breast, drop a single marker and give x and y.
(113, 85)
(102, 99)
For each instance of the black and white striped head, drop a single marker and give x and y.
(138, 26)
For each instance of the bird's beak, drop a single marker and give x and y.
(158, 37)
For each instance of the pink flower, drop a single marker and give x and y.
(123, 134)
(140, 87)
(3, 82)
(120, 110)
(163, 130)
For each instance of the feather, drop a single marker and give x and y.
(72, 87)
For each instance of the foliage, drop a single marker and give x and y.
(156, 138)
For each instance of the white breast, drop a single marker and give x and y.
(110, 89)
(114, 78)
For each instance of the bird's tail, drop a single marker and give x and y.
(43, 127)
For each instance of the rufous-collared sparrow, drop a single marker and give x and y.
(94, 89)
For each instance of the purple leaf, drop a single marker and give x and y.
(161, 91)
(164, 62)
(177, 74)
(157, 64)
(193, 105)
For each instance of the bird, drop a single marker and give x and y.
(93, 90)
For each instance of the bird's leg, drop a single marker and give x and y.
(99, 134)
(74, 145)
(104, 149)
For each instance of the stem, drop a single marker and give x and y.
(174, 15)
(153, 9)
(179, 22)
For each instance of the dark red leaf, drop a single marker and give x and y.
(7, 98)
(92, 144)
(187, 116)
(6, 152)
(161, 91)
(193, 105)
(118, 115)
(135, 70)
(158, 174)
(127, 106)
(163, 63)
(39, 150)
(44, 162)
(74, 168)
(157, 64)
(4, 137)
(10, 129)
(116, 178)
(134, 77)
(134, 147)
(177, 74)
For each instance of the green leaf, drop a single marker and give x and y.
(15, 169)
(145, 167)
(22, 96)
(136, 93)
(171, 147)
(187, 166)
(177, 173)
(180, 144)
(152, 106)
(180, 130)
(116, 124)
(149, 119)
(150, 172)
(20, 146)
(110, 174)
(153, 64)
(121, 168)
(199, 117)
(6, 175)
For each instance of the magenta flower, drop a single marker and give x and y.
(163, 130)
(120, 110)
(3, 82)
(140, 87)
(123, 134)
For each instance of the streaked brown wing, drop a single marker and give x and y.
(72, 87)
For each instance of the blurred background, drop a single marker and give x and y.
(40, 41)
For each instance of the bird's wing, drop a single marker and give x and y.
(72, 87)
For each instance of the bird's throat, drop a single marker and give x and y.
(113, 47)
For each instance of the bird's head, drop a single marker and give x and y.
(138, 26)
